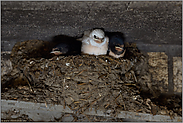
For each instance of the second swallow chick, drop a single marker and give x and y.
(94, 42)
(116, 45)
(65, 45)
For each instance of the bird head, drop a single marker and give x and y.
(116, 44)
(97, 35)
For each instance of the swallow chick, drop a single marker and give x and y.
(65, 45)
(94, 42)
(116, 45)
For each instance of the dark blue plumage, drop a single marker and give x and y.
(65, 45)
(116, 44)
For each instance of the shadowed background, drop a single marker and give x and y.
(149, 24)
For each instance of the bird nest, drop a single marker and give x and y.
(81, 82)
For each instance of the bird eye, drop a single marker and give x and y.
(95, 37)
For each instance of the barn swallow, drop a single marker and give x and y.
(116, 44)
(94, 42)
(65, 45)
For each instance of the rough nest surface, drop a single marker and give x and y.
(83, 81)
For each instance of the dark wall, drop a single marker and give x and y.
(157, 23)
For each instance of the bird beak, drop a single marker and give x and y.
(56, 52)
(100, 40)
(118, 48)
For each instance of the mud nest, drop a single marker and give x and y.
(81, 82)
